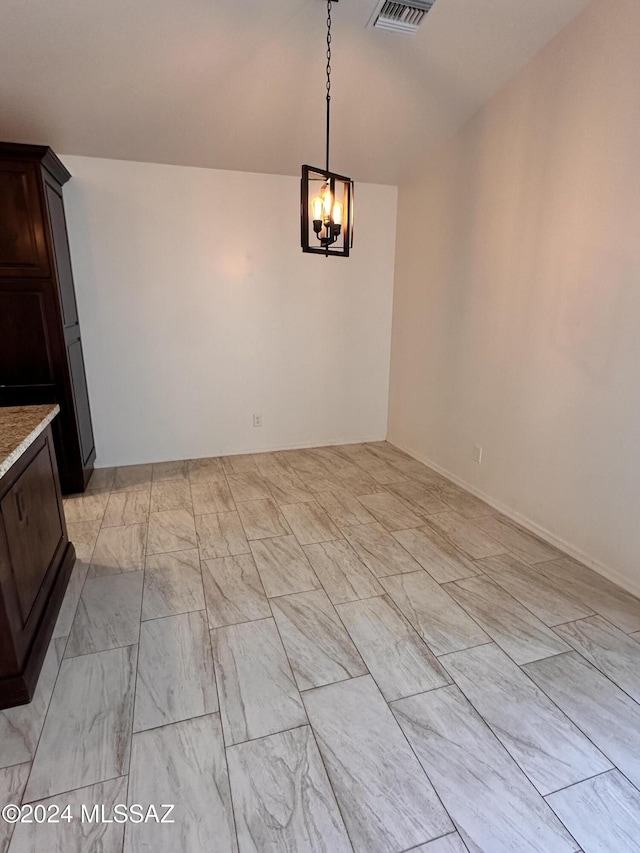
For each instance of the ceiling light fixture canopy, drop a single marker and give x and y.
(326, 198)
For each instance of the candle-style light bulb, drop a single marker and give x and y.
(327, 200)
(337, 213)
(317, 205)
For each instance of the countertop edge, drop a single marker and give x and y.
(7, 463)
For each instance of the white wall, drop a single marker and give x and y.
(198, 309)
(517, 296)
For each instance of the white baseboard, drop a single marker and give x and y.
(266, 449)
(607, 572)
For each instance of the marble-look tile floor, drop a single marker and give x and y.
(325, 650)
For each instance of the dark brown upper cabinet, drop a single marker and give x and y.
(23, 250)
(41, 358)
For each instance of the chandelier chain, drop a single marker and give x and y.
(328, 77)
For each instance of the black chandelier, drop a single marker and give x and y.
(326, 198)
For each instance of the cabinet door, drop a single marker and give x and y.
(62, 256)
(81, 399)
(24, 344)
(23, 250)
(34, 528)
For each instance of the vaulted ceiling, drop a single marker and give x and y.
(239, 84)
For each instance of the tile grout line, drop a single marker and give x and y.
(264, 737)
(222, 735)
(177, 722)
(135, 680)
(611, 769)
(286, 654)
(73, 790)
(331, 788)
(456, 833)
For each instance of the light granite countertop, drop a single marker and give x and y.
(19, 428)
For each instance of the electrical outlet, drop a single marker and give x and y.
(257, 420)
(477, 454)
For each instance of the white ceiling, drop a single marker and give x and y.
(239, 84)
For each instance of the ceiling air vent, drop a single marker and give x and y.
(401, 17)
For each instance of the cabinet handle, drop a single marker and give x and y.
(19, 506)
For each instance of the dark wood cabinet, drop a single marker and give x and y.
(23, 250)
(36, 559)
(41, 358)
